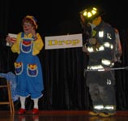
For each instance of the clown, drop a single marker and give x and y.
(27, 66)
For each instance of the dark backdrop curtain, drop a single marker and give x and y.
(122, 75)
(65, 85)
(6, 57)
(64, 75)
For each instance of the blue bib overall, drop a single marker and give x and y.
(28, 71)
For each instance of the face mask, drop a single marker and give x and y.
(92, 25)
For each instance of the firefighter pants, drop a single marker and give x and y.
(103, 97)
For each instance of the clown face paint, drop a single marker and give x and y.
(27, 27)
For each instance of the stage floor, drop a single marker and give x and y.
(61, 116)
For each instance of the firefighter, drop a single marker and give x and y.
(100, 50)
